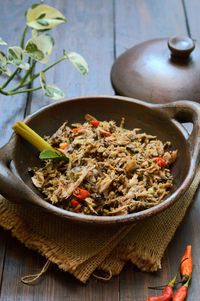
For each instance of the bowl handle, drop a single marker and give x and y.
(186, 111)
(11, 186)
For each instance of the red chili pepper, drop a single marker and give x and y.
(74, 203)
(160, 161)
(181, 292)
(81, 193)
(95, 123)
(186, 264)
(167, 293)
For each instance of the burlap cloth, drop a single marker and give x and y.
(81, 250)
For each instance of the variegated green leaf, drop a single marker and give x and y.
(16, 57)
(3, 59)
(43, 80)
(42, 17)
(54, 92)
(79, 62)
(40, 47)
(3, 64)
(50, 91)
(2, 42)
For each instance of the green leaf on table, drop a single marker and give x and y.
(2, 42)
(39, 48)
(79, 62)
(43, 17)
(48, 154)
(50, 91)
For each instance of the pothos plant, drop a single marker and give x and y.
(40, 19)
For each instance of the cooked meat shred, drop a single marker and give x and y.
(111, 170)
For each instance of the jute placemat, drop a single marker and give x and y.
(81, 249)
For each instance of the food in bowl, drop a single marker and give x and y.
(111, 170)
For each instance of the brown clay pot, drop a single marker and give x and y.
(160, 120)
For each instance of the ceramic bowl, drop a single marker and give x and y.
(162, 120)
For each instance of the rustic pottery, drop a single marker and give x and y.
(161, 120)
(160, 70)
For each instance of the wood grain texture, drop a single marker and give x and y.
(89, 31)
(12, 23)
(191, 9)
(139, 20)
(136, 21)
(99, 30)
(11, 108)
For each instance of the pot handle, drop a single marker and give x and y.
(186, 111)
(11, 186)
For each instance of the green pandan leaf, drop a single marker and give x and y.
(79, 62)
(2, 42)
(42, 17)
(40, 47)
(48, 154)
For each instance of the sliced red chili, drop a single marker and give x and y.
(95, 123)
(74, 203)
(160, 161)
(81, 193)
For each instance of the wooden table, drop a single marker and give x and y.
(100, 30)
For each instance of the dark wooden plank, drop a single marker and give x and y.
(12, 23)
(89, 32)
(2, 254)
(11, 108)
(192, 7)
(136, 21)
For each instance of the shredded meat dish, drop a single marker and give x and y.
(111, 170)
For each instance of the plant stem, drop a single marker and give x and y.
(44, 70)
(20, 85)
(23, 37)
(10, 78)
(21, 91)
(3, 92)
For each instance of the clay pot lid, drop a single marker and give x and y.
(159, 70)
